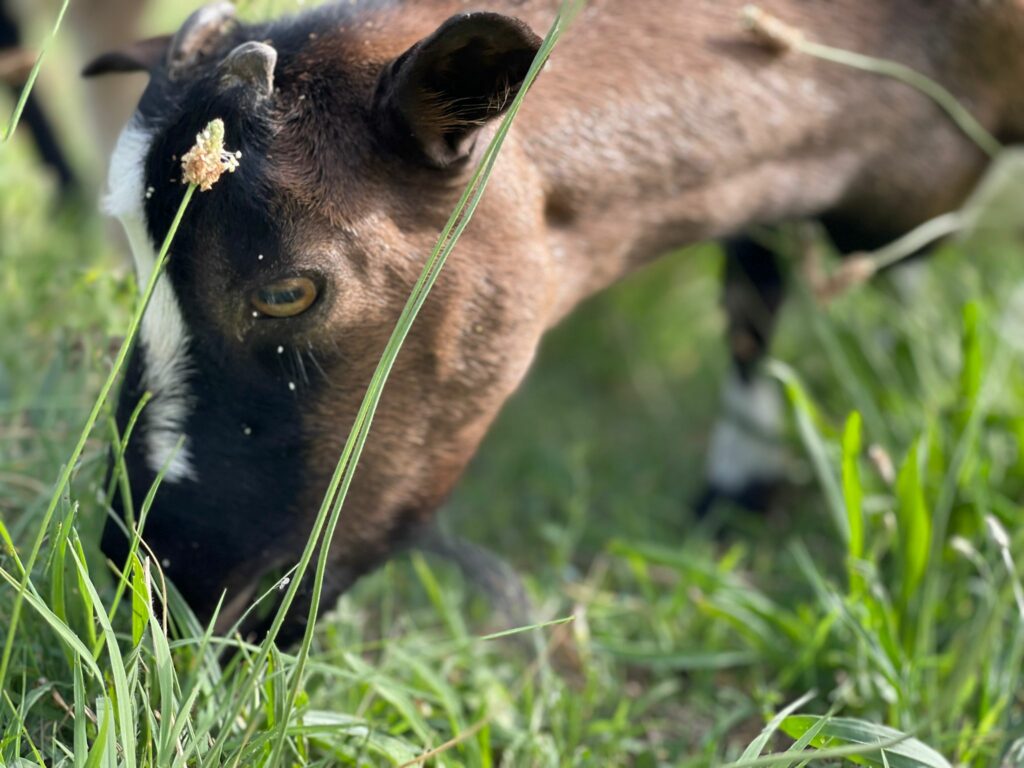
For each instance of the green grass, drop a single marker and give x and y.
(894, 603)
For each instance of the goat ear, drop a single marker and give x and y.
(142, 56)
(199, 32)
(438, 94)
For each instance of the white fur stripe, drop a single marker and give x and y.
(746, 441)
(162, 335)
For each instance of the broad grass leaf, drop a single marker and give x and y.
(332, 727)
(853, 490)
(899, 750)
(11, 550)
(915, 525)
(104, 749)
(808, 425)
(81, 738)
(140, 602)
(445, 609)
(756, 747)
(57, 563)
(88, 605)
(972, 370)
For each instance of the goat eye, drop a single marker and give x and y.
(285, 298)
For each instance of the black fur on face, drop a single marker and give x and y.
(246, 377)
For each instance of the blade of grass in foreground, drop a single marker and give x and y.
(787, 37)
(30, 83)
(327, 518)
(882, 746)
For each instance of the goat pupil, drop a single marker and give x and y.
(286, 296)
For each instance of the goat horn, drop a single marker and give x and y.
(199, 30)
(251, 64)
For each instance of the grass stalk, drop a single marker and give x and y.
(781, 35)
(26, 90)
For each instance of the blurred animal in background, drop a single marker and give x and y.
(657, 124)
(97, 25)
(103, 25)
(15, 65)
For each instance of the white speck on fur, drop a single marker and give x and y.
(745, 444)
(280, 350)
(163, 336)
(260, 257)
(291, 385)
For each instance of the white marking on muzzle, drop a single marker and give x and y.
(162, 335)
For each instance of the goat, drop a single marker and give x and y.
(657, 124)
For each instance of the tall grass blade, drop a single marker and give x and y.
(853, 493)
(33, 74)
(915, 526)
(81, 741)
(104, 750)
(140, 601)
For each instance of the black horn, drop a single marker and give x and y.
(196, 35)
(251, 65)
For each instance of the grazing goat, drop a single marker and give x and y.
(658, 123)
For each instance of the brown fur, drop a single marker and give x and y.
(658, 123)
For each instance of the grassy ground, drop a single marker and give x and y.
(890, 602)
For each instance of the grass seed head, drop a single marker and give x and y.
(208, 160)
(771, 30)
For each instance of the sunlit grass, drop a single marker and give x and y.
(875, 603)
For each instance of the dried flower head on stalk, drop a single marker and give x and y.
(855, 270)
(771, 30)
(208, 160)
